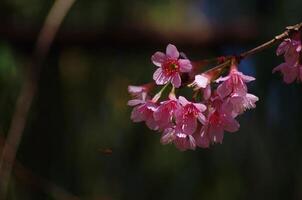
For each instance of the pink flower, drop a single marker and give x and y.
(140, 94)
(187, 116)
(290, 47)
(170, 66)
(182, 141)
(291, 68)
(203, 82)
(165, 113)
(219, 119)
(143, 111)
(290, 72)
(233, 83)
(242, 103)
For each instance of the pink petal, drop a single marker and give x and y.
(135, 89)
(250, 101)
(201, 107)
(172, 51)
(290, 73)
(202, 139)
(168, 136)
(183, 101)
(191, 142)
(282, 48)
(158, 58)
(230, 124)
(207, 92)
(184, 142)
(201, 81)
(223, 90)
(279, 67)
(202, 118)
(157, 74)
(176, 80)
(152, 124)
(135, 102)
(216, 134)
(159, 77)
(291, 56)
(136, 115)
(246, 78)
(189, 125)
(185, 65)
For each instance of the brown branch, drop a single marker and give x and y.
(287, 33)
(28, 90)
(28, 178)
(282, 36)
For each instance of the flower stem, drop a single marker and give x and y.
(158, 95)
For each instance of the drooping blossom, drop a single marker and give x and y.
(241, 103)
(202, 82)
(189, 124)
(290, 48)
(290, 72)
(178, 138)
(291, 69)
(139, 93)
(143, 112)
(165, 113)
(219, 119)
(233, 83)
(143, 107)
(170, 66)
(189, 114)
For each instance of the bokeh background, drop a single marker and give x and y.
(79, 114)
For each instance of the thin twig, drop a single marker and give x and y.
(215, 71)
(31, 180)
(282, 36)
(52, 23)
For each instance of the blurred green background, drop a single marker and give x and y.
(80, 109)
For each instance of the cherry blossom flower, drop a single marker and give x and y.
(242, 103)
(219, 119)
(143, 111)
(184, 142)
(202, 82)
(165, 113)
(140, 94)
(187, 116)
(233, 83)
(290, 48)
(291, 68)
(188, 124)
(181, 141)
(170, 66)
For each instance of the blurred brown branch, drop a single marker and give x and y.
(28, 178)
(52, 23)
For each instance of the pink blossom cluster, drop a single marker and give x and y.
(197, 122)
(291, 69)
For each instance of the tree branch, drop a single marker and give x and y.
(52, 23)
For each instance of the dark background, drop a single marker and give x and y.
(80, 112)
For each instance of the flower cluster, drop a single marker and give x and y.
(291, 48)
(203, 119)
